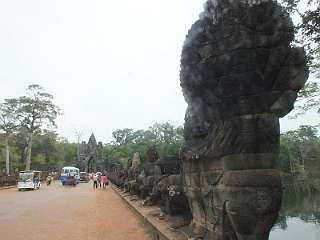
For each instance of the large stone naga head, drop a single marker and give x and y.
(239, 73)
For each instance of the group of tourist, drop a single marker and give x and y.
(100, 180)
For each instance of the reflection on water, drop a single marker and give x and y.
(300, 213)
(296, 229)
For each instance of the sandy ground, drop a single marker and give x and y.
(69, 213)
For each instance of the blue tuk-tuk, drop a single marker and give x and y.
(70, 176)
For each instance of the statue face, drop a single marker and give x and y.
(249, 71)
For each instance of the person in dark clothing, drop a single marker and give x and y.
(99, 180)
(95, 181)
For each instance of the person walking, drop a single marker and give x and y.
(99, 180)
(48, 180)
(95, 181)
(104, 180)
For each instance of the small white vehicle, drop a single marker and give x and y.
(29, 180)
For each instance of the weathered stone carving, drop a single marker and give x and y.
(167, 190)
(136, 162)
(157, 182)
(134, 171)
(172, 198)
(115, 172)
(239, 75)
(149, 169)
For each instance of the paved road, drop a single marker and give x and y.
(67, 213)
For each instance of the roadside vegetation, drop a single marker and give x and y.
(300, 151)
(166, 137)
(23, 121)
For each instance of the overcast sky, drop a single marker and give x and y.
(109, 63)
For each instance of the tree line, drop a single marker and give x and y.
(49, 151)
(27, 133)
(300, 151)
(167, 139)
(28, 139)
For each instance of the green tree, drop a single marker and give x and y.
(8, 124)
(308, 98)
(44, 149)
(307, 12)
(35, 111)
(50, 152)
(299, 150)
(165, 136)
(307, 28)
(122, 136)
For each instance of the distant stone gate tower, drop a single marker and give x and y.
(91, 156)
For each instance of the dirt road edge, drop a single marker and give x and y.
(161, 229)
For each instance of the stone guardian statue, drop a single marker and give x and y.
(240, 73)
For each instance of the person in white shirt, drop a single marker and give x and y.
(95, 181)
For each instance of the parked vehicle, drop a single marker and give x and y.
(84, 177)
(29, 180)
(70, 176)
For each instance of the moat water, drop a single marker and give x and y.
(300, 213)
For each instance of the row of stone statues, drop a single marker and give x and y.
(157, 182)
